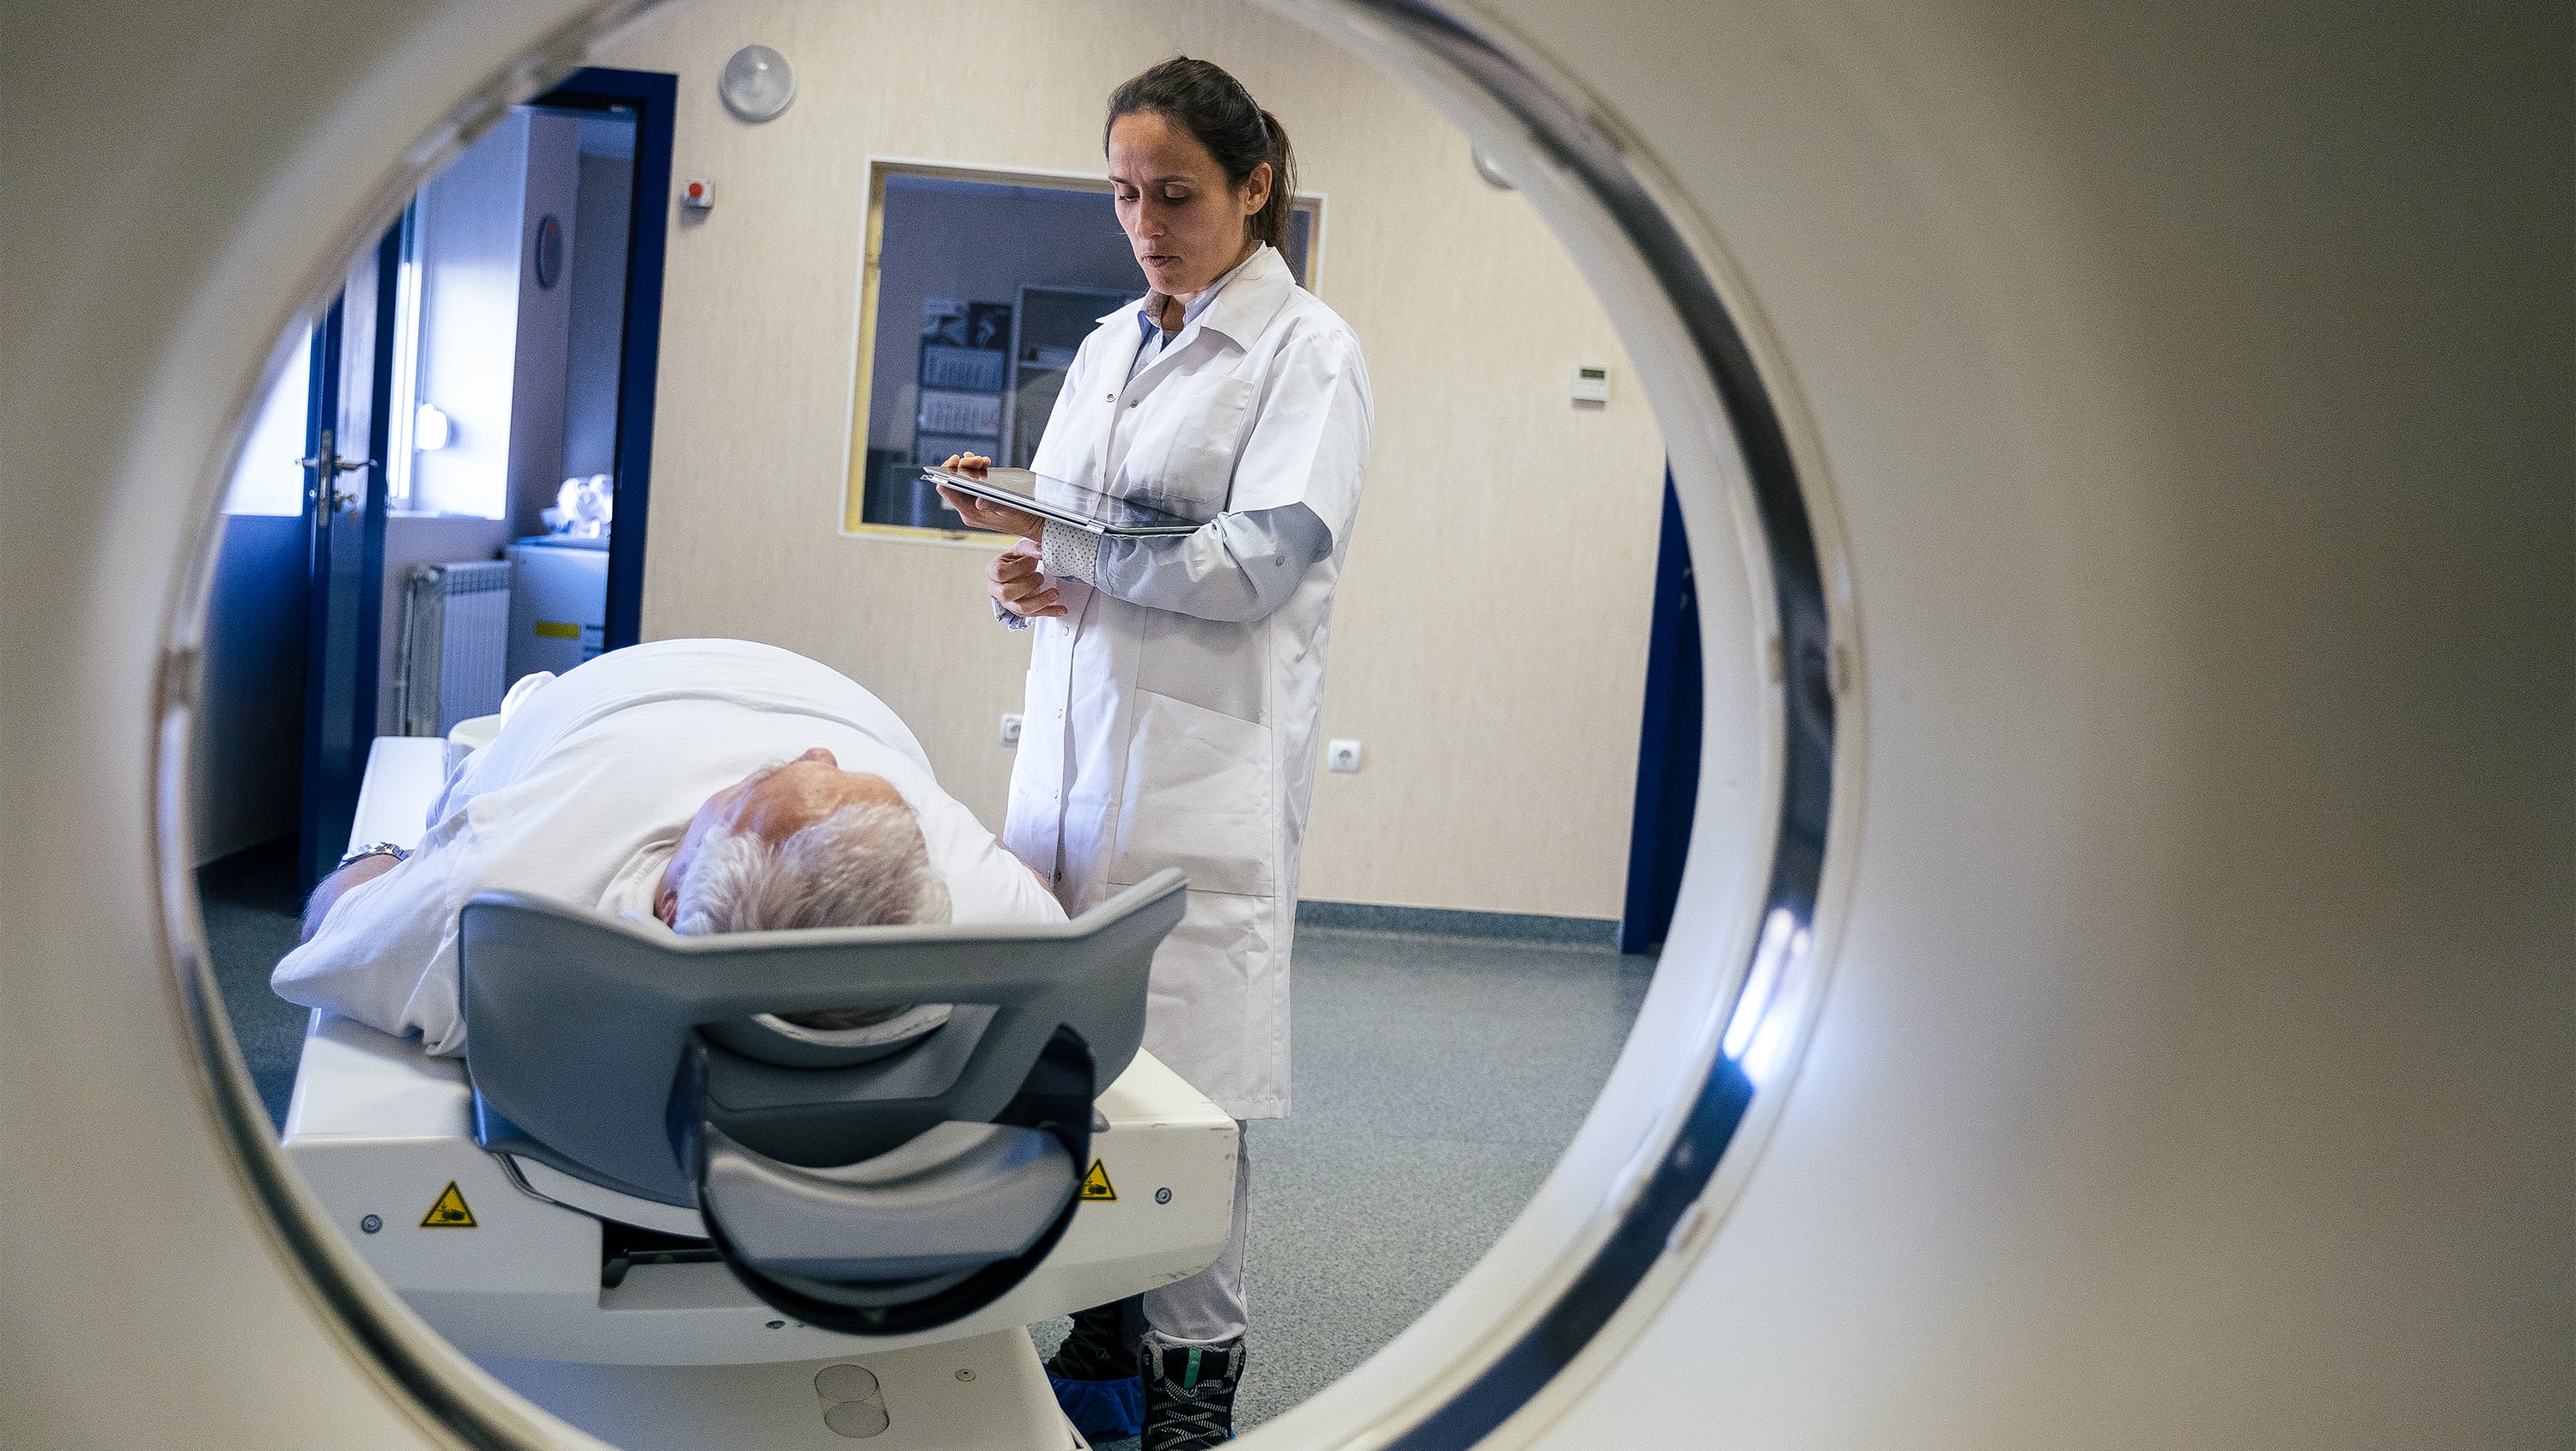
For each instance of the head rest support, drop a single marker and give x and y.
(577, 1024)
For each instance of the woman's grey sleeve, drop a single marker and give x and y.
(1236, 567)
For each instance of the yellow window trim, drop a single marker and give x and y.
(912, 534)
(854, 483)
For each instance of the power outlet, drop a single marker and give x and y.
(1341, 755)
(1011, 731)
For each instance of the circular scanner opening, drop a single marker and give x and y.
(1736, 975)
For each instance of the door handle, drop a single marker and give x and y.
(335, 464)
(328, 465)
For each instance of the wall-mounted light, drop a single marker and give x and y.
(757, 83)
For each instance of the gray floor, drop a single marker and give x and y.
(250, 904)
(1436, 1079)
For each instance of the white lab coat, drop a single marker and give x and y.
(1154, 738)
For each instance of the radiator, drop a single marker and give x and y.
(455, 639)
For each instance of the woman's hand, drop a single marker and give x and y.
(1012, 579)
(982, 513)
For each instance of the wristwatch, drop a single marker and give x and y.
(374, 848)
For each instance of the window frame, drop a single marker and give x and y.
(877, 169)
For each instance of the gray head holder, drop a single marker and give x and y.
(878, 1180)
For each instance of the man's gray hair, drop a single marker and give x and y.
(864, 865)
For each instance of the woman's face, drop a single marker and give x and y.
(1187, 226)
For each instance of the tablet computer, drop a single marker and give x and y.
(1065, 503)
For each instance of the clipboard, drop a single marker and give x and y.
(1066, 503)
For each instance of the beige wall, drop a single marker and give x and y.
(1489, 643)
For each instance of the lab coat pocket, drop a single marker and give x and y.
(1195, 423)
(1211, 664)
(1199, 789)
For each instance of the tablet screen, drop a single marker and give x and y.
(1056, 499)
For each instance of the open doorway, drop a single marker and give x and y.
(523, 372)
(427, 506)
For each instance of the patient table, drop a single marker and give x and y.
(611, 1307)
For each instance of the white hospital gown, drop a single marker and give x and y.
(585, 794)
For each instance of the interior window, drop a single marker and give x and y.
(979, 288)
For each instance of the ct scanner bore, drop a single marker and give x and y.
(165, 1314)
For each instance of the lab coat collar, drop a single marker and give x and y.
(1240, 310)
(1260, 288)
(1125, 343)
(1247, 299)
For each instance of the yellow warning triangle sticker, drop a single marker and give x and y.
(449, 1212)
(1095, 1185)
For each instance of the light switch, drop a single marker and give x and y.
(1591, 384)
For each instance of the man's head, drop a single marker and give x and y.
(804, 844)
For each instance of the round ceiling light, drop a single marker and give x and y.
(757, 83)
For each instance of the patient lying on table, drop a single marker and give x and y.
(718, 785)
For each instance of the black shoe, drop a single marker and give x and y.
(1099, 1346)
(1189, 1393)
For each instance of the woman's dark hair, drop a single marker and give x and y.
(1214, 107)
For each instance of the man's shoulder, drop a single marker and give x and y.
(986, 883)
(747, 673)
(696, 660)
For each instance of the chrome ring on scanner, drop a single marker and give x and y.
(657, 1168)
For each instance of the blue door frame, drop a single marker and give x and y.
(346, 417)
(346, 543)
(652, 98)
(1668, 742)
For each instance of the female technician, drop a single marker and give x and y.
(1175, 683)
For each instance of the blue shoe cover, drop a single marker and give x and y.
(1102, 1410)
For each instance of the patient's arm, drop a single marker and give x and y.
(380, 947)
(318, 906)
